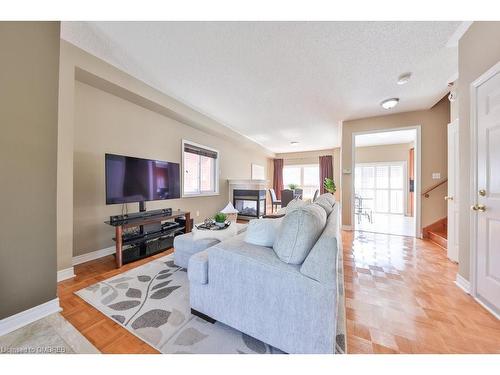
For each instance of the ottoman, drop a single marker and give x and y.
(185, 246)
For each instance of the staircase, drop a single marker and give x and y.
(437, 232)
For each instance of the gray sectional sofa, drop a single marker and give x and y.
(289, 306)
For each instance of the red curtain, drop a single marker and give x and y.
(278, 177)
(325, 170)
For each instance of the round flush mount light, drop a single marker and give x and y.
(390, 103)
(294, 143)
(404, 78)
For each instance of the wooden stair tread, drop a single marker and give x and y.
(440, 233)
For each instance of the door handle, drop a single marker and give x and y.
(448, 198)
(478, 207)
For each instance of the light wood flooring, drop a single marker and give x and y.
(400, 298)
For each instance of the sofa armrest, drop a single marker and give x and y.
(198, 268)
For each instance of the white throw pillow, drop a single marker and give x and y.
(262, 232)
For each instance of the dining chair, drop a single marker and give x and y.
(286, 197)
(274, 200)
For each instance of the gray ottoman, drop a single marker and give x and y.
(185, 246)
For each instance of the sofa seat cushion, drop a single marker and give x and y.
(299, 231)
(262, 232)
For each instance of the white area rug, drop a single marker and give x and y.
(152, 302)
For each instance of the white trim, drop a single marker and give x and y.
(65, 274)
(473, 179)
(26, 317)
(418, 171)
(93, 255)
(455, 37)
(462, 283)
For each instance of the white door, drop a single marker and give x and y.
(487, 204)
(452, 197)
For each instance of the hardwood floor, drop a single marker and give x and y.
(400, 298)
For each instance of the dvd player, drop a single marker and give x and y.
(141, 215)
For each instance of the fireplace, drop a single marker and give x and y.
(250, 203)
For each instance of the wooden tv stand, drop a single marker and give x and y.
(143, 243)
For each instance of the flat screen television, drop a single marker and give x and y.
(130, 179)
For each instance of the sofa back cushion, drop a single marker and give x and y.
(327, 201)
(320, 264)
(262, 232)
(299, 231)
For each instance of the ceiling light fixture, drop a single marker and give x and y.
(294, 143)
(390, 103)
(404, 78)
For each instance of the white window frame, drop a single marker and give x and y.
(404, 188)
(216, 172)
(301, 182)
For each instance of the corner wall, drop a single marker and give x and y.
(28, 156)
(103, 109)
(433, 122)
(478, 50)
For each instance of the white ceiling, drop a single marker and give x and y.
(277, 82)
(386, 138)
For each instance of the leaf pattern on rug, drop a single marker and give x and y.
(163, 271)
(133, 293)
(189, 336)
(150, 334)
(170, 263)
(122, 286)
(254, 344)
(161, 285)
(104, 290)
(162, 293)
(144, 278)
(118, 318)
(120, 279)
(164, 276)
(152, 318)
(176, 318)
(109, 298)
(124, 305)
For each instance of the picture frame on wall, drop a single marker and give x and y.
(258, 172)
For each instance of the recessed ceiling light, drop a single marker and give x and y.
(404, 78)
(294, 143)
(390, 103)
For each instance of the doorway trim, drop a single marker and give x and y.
(474, 184)
(418, 170)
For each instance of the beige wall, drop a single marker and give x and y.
(97, 99)
(28, 151)
(105, 123)
(478, 50)
(386, 153)
(433, 124)
(311, 157)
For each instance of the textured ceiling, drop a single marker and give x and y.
(386, 138)
(277, 82)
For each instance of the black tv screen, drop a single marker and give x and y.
(130, 179)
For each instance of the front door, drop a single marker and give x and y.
(487, 203)
(452, 197)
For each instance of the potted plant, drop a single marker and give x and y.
(220, 219)
(293, 186)
(329, 185)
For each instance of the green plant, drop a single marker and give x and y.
(220, 217)
(293, 186)
(329, 185)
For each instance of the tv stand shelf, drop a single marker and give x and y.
(145, 244)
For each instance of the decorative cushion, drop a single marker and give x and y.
(262, 232)
(327, 201)
(298, 232)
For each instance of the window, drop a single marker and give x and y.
(200, 170)
(305, 176)
(381, 185)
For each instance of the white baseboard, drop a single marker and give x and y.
(346, 227)
(93, 255)
(463, 284)
(26, 317)
(65, 274)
